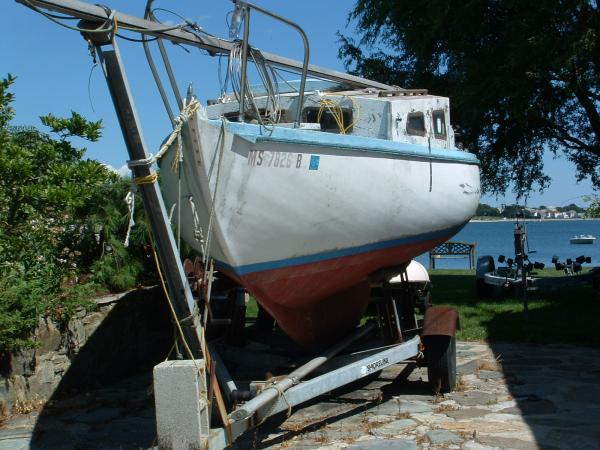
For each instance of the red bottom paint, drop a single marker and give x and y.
(318, 303)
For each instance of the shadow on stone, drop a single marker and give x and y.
(104, 398)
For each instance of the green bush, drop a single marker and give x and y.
(62, 221)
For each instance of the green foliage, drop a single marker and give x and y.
(484, 210)
(570, 207)
(512, 211)
(593, 209)
(62, 219)
(118, 267)
(523, 76)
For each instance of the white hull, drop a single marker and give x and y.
(272, 209)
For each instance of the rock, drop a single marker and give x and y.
(474, 398)
(98, 415)
(466, 413)
(529, 407)
(48, 335)
(439, 437)
(504, 442)
(472, 445)
(15, 443)
(413, 407)
(529, 363)
(393, 428)
(589, 394)
(391, 407)
(489, 375)
(384, 444)
(468, 368)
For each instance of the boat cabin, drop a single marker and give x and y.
(405, 115)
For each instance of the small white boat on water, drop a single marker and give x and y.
(583, 239)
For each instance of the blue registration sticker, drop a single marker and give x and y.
(314, 162)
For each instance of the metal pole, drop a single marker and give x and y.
(268, 395)
(520, 256)
(179, 290)
(244, 80)
(306, 52)
(213, 45)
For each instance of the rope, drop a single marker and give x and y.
(335, 109)
(280, 394)
(185, 115)
(198, 235)
(172, 308)
(147, 179)
(171, 212)
(130, 201)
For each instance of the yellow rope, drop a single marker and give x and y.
(337, 112)
(188, 111)
(172, 308)
(148, 179)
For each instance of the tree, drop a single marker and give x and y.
(485, 210)
(512, 211)
(570, 207)
(524, 77)
(593, 209)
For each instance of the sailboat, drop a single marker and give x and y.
(302, 213)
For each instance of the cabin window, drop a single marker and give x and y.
(327, 120)
(233, 116)
(439, 124)
(415, 124)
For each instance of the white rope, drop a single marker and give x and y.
(171, 212)
(185, 115)
(198, 234)
(130, 201)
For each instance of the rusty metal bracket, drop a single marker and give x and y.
(440, 321)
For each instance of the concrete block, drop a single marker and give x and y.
(181, 404)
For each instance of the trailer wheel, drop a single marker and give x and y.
(440, 353)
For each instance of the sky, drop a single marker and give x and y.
(55, 73)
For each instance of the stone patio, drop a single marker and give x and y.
(509, 396)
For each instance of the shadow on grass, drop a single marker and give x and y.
(564, 316)
(548, 359)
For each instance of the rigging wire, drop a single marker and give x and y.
(272, 110)
(52, 17)
(110, 24)
(130, 39)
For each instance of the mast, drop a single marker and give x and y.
(214, 45)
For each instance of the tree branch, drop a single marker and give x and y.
(590, 110)
(572, 142)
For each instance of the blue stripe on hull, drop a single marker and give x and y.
(294, 136)
(279, 264)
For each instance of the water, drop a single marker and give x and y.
(546, 238)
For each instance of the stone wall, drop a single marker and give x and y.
(126, 334)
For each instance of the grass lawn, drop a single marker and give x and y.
(567, 316)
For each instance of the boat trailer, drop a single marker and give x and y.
(187, 391)
(517, 276)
